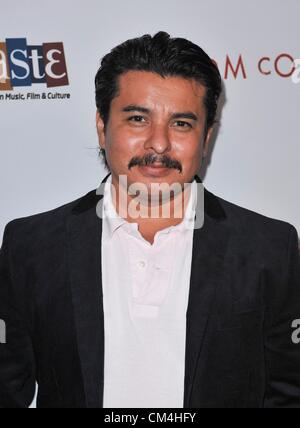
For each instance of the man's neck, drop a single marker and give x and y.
(169, 213)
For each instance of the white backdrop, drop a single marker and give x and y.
(49, 147)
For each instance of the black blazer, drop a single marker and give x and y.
(244, 296)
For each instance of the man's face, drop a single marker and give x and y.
(155, 119)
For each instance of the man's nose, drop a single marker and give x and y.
(159, 139)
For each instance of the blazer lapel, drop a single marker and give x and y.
(84, 229)
(209, 248)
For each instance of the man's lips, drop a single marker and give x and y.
(155, 169)
(156, 165)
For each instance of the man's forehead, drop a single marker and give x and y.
(144, 82)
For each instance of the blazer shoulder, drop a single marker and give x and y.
(45, 223)
(267, 239)
(250, 223)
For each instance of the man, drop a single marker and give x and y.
(106, 308)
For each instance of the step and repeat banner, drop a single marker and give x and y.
(49, 55)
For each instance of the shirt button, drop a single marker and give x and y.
(141, 264)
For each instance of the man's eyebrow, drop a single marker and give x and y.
(133, 107)
(185, 115)
(178, 115)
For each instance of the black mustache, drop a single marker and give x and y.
(151, 159)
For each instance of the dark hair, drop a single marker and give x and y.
(165, 56)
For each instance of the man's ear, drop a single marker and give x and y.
(100, 130)
(206, 142)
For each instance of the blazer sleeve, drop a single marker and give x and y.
(17, 364)
(282, 350)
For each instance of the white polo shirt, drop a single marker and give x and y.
(145, 298)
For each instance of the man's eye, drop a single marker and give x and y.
(183, 124)
(136, 118)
